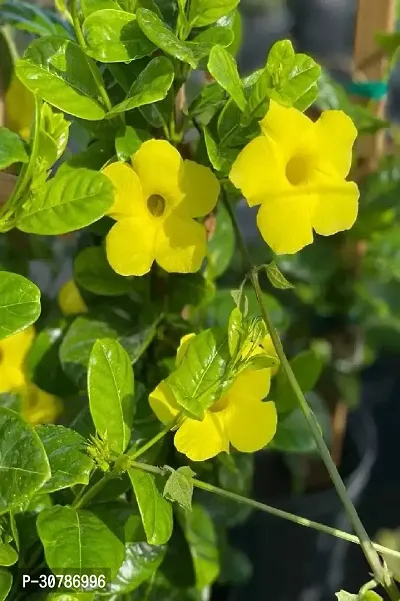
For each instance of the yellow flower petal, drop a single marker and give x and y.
(163, 404)
(38, 406)
(202, 440)
(287, 127)
(250, 424)
(181, 352)
(14, 349)
(11, 377)
(336, 208)
(200, 189)
(130, 246)
(180, 245)
(70, 299)
(285, 224)
(254, 383)
(258, 171)
(158, 166)
(336, 134)
(128, 199)
(20, 108)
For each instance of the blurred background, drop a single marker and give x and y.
(347, 303)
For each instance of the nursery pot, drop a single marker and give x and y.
(291, 562)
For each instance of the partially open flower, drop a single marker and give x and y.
(239, 417)
(70, 299)
(296, 171)
(155, 206)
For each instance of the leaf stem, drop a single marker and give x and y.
(80, 501)
(291, 517)
(92, 66)
(150, 443)
(365, 542)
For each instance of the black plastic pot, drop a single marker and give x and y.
(294, 563)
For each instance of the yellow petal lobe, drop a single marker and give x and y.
(128, 191)
(180, 244)
(250, 424)
(130, 246)
(201, 440)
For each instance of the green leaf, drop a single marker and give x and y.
(220, 158)
(93, 273)
(71, 200)
(235, 331)
(201, 377)
(307, 368)
(203, 42)
(114, 36)
(155, 511)
(140, 562)
(28, 17)
(58, 71)
(223, 68)
(221, 245)
(8, 555)
(293, 434)
(19, 303)
(12, 148)
(53, 136)
(202, 540)
(6, 580)
(276, 277)
(343, 596)
(69, 463)
(111, 389)
(211, 98)
(158, 33)
(76, 539)
(294, 76)
(22, 472)
(128, 141)
(179, 487)
(84, 331)
(151, 85)
(205, 12)
(90, 6)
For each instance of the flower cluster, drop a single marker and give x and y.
(239, 417)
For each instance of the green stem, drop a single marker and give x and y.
(365, 542)
(82, 500)
(150, 443)
(351, 538)
(92, 65)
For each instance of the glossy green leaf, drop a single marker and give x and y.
(128, 141)
(344, 596)
(71, 200)
(220, 158)
(223, 68)
(201, 377)
(236, 333)
(69, 462)
(84, 331)
(6, 581)
(307, 368)
(211, 98)
(293, 434)
(12, 148)
(158, 33)
(204, 41)
(31, 18)
(179, 487)
(8, 555)
(19, 303)
(92, 272)
(151, 85)
(90, 6)
(155, 511)
(140, 562)
(221, 245)
(58, 71)
(22, 472)
(276, 277)
(53, 136)
(76, 539)
(114, 36)
(111, 389)
(205, 12)
(202, 539)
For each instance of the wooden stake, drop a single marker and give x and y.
(370, 64)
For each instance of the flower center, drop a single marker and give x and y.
(298, 169)
(156, 205)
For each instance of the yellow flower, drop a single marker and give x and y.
(20, 108)
(239, 417)
(37, 406)
(155, 206)
(296, 171)
(70, 299)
